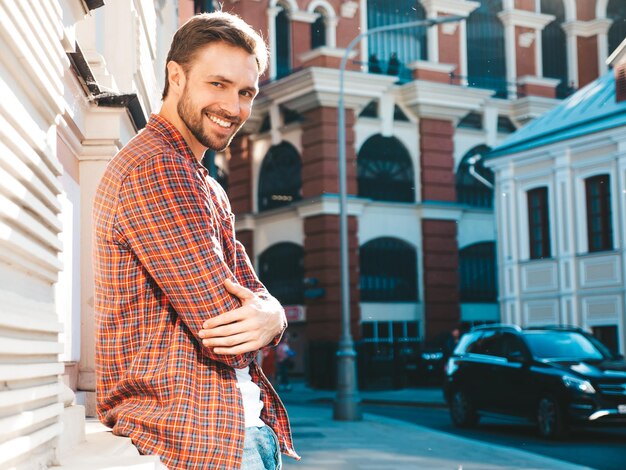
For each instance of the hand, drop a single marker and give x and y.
(247, 328)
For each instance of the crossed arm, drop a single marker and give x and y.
(165, 218)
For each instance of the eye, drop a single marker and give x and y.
(217, 84)
(246, 93)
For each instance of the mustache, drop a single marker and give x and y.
(222, 115)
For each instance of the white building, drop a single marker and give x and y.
(77, 81)
(561, 212)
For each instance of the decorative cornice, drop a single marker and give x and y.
(530, 107)
(441, 101)
(540, 81)
(587, 29)
(325, 51)
(318, 86)
(525, 19)
(349, 8)
(453, 7)
(431, 66)
(303, 16)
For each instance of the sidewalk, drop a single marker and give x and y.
(379, 443)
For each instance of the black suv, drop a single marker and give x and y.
(554, 376)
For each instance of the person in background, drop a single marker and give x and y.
(180, 312)
(284, 358)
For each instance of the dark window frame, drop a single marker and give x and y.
(385, 170)
(388, 271)
(478, 280)
(283, 43)
(280, 177)
(539, 241)
(319, 30)
(281, 270)
(599, 213)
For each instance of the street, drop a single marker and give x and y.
(599, 448)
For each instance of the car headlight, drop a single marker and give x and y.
(578, 384)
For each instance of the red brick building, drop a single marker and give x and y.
(422, 106)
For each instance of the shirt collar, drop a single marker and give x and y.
(172, 136)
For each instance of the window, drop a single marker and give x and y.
(553, 47)
(203, 6)
(538, 223)
(477, 273)
(283, 44)
(388, 271)
(616, 11)
(485, 48)
(599, 224)
(280, 179)
(469, 190)
(607, 335)
(390, 52)
(385, 170)
(489, 344)
(281, 270)
(318, 31)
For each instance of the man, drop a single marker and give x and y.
(180, 313)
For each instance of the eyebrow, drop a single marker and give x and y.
(221, 78)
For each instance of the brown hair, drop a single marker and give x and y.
(207, 28)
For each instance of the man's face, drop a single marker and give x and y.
(220, 86)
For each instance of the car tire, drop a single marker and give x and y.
(462, 410)
(551, 422)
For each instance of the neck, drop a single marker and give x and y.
(169, 112)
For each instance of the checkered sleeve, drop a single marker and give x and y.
(244, 271)
(167, 221)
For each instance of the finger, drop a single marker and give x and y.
(228, 341)
(242, 348)
(224, 330)
(225, 318)
(237, 289)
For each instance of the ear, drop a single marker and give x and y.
(176, 77)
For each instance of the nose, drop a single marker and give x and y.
(230, 105)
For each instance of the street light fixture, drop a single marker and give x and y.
(346, 406)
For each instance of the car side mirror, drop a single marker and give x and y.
(516, 356)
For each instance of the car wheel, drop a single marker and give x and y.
(550, 418)
(462, 411)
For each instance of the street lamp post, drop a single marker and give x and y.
(346, 406)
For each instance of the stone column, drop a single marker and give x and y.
(589, 38)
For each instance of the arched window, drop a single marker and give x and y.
(280, 179)
(281, 270)
(616, 11)
(477, 273)
(469, 190)
(283, 43)
(554, 47)
(385, 170)
(318, 30)
(486, 66)
(390, 52)
(388, 269)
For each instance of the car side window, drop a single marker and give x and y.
(512, 346)
(489, 344)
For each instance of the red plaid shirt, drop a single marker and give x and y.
(163, 245)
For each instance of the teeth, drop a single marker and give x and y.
(220, 122)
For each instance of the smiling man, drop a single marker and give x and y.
(180, 313)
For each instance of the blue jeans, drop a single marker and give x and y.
(260, 449)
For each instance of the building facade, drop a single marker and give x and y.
(78, 80)
(561, 216)
(423, 105)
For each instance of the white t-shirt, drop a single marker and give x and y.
(251, 397)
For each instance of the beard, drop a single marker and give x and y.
(194, 120)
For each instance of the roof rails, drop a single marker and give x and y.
(497, 326)
(556, 327)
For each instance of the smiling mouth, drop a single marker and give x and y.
(220, 122)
